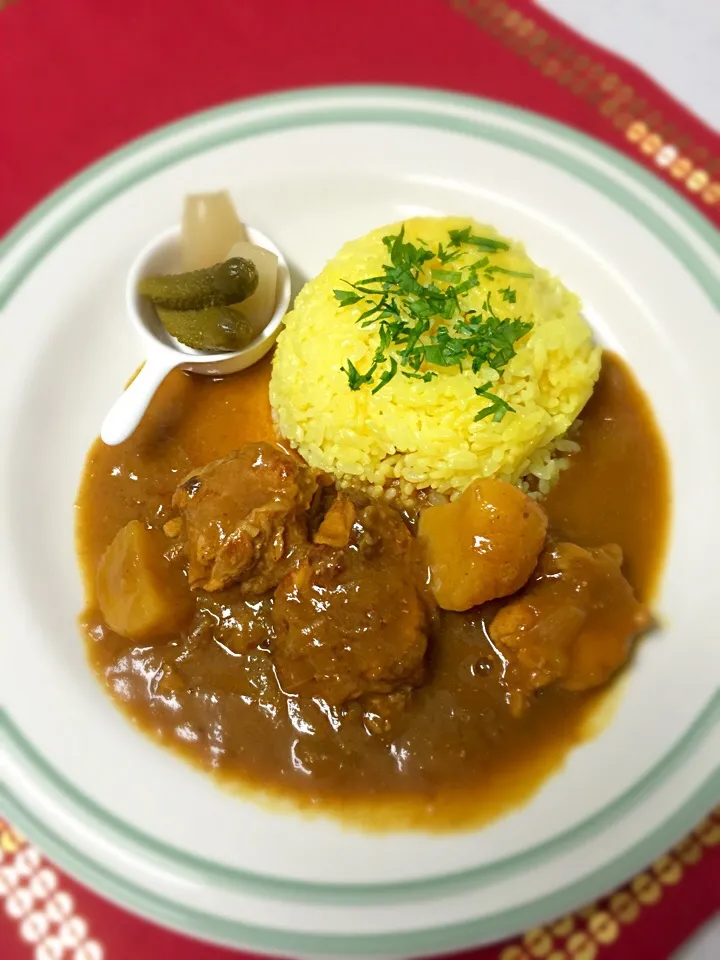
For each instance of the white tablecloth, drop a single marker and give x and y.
(676, 41)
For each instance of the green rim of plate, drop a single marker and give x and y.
(426, 108)
(438, 940)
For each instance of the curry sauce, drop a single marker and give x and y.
(455, 755)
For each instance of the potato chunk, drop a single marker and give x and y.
(141, 595)
(483, 545)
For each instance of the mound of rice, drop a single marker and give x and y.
(413, 435)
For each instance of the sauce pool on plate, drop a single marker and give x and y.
(451, 755)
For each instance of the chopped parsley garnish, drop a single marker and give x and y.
(347, 297)
(425, 377)
(447, 256)
(387, 375)
(355, 378)
(497, 408)
(509, 273)
(421, 318)
(449, 276)
(459, 237)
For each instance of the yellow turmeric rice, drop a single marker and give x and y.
(423, 429)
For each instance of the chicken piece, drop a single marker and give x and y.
(573, 625)
(353, 622)
(244, 518)
(337, 524)
(173, 528)
(483, 545)
(140, 593)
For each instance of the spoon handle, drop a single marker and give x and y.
(127, 411)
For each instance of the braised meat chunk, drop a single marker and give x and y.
(336, 527)
(573, 625)
(353, 621)
(483, 545)
(243, 518)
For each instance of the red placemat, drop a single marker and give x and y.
(47, 916)
(78, 78)
(81, 77)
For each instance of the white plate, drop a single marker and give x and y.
(311, 170)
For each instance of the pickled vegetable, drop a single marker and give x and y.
(224, 283)
(210, 226)
(260, 306)
(141, 595)
(214, 328)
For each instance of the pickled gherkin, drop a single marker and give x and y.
(229, 282)
(214, 329)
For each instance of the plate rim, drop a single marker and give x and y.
(430, 96)
(361, 894)
(427, 108)
(423, 942)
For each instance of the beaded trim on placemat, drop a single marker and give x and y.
(583, 935)
(49, 922)
(675, 154)
(32, 896)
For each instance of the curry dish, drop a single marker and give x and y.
(350, 653)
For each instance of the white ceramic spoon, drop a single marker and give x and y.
(163, 352)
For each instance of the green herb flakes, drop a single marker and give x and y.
(422, 320)
(497, 408)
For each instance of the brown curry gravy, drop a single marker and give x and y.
(457, 758)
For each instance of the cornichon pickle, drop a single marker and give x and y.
(213, 328)
(219, 286)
